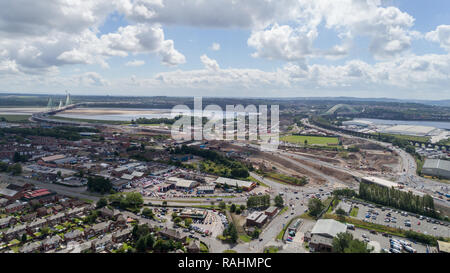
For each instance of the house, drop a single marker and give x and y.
(28, 217)
(443, 247)
(73, 235)
(109, 213)
(58, 208)
(75, 211)
(3, 202)
(122, 235)
(104, 243)
(56, 219)
(14, 232)
(7, 222)
(15, 207)
(32, 247)
(172, 234)
(36, 224)
(51, 243)
(97, 229)
(41, 211)
(193, 247)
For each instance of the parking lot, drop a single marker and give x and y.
(382, 240)
(394, 218)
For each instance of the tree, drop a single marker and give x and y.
(279, 202)
(24, 238)
(148, 212)
(187, 222)
(102, 202)
(149, 241)
(134, 199)
(340, 212)
(164, 203)
(242, 207)
(255, 234)
(15, 169)
(344, 243)
(306, 142)
(315, 206)
(99, 184)
(238, 211)
(176, 220)
(222, 205)
(141, 245)
(232, 208)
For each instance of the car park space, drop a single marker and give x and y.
(403, 220)
(385, 241)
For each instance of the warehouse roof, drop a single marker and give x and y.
(53, 158)
(328, 227)
(234, 182)
(437, 164)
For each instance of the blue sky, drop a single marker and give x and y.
(267, 48)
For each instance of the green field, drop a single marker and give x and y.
(312, 140)
(15, 118)
(407, 137)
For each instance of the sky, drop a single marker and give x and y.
(227, 48)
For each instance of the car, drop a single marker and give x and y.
(260, 239)
(418, 223)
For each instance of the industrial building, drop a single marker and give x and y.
(183, 184)
(257, 218)
(412, 130)
(206, 189)
(323, 233)
(246, 185)
(436, 167)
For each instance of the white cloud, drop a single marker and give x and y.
(135, 63)
(209, 64)
(215, 47)
(440, 35)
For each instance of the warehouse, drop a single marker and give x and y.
(183, 184)
(246, 185)
(411, 130)
(205, 189)
(323, 233)
(436, 167)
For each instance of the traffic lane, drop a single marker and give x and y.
(424, 226)
(384, 241)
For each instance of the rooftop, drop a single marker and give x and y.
(328, 227)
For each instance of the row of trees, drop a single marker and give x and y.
(129, 200)
(345, 243)
(64, 132)
(259, 201)
(238, 169)
(145, 241)
(14, 169)
(398, 199)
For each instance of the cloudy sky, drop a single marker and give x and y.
(264, 48)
